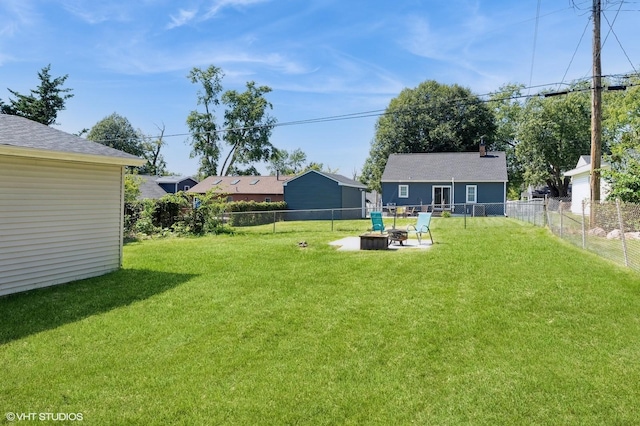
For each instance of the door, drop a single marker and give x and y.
(442, 198)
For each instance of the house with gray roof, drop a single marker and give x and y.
(155, 187)
(447, 181)
(61, 206)
(330, 195)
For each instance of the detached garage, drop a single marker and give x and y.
(61, 204)
(319, 192)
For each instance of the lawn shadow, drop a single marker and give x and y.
(31, 312)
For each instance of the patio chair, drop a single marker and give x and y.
(376, 222)
(422, 226)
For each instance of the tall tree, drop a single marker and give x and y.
(117, 132)
(43, 103)
(205, 140)
(507, 107)
(155, 166)
(248, 127)
(553, 133)
(287, 163)
(433, 117)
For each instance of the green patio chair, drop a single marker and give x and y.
(376, 222)
(422, 226)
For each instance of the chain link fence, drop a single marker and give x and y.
(609, 229)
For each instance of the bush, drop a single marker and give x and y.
(249, 213)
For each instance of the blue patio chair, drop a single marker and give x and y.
(422, 226)
(376, 222)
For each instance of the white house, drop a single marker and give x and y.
(61, 204)
(581, 184)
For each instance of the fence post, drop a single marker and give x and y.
(274, 221)
(624, 241)
(332, 219)
(561, 218)
(545, 212)
(584, 234)
(465, 216)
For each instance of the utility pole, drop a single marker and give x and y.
(596, 110)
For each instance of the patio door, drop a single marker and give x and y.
(442, 197)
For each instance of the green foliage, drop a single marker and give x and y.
(44, 103)
(202, 123)
(508, 110)
(257, 212)
(623, 175)
(155, 166)
(131, 187)
(178, 214)
(433, 117)
(248, 128)
(553, 133)
(117, 132)
(287, 163)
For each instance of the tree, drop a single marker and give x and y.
(44, 103)
(155, 166)
(287, 163)
(553, 133)
(623, 175)
(202, 124)
(433, 117)
(248, 127)
(117, 132)
(507, 109)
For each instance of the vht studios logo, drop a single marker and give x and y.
(54, 417)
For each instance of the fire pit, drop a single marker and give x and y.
(397, 235)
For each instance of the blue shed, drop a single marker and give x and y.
(449, 181)
(314, 190)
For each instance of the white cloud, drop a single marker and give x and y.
(221, 4)
(184, 17)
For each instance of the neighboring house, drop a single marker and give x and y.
(437, 181)
(61, 204)
(244, 188)
(173, 184)
(157, 186)
(581, 184)
(314, 190)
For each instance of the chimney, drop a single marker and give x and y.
(483, 149)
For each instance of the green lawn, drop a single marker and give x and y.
(499, 323)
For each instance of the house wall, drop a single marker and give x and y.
(59, 222)
(420, 193)
(259, 198)
(581, 190)
(312, 191)
(351, 199)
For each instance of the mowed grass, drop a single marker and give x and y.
(499, 323)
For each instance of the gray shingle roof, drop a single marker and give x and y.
(341, 180)
(444, 166)
(23, 133)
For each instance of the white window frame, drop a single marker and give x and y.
(403, 191)
(474, 199)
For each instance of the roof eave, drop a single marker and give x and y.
(69, 156)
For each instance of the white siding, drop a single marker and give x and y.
(580, 190)
(59, 222)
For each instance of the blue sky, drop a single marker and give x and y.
(322, 58)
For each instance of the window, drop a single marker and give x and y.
(267, 200)
(472, 193)
(186, 188)
(253, 182)
(403, 191)
(235, 181)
